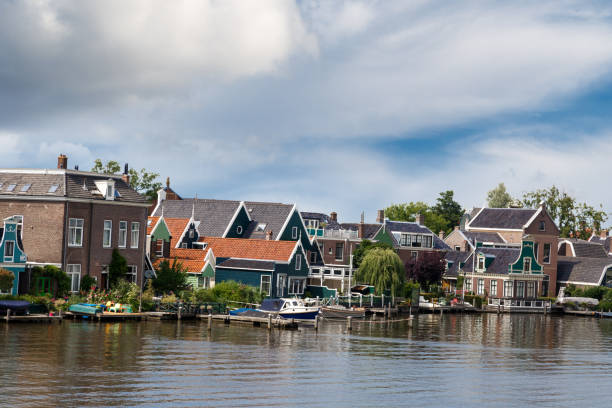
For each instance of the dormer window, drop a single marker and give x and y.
(106, 188)
(11, 187)
(526, 265)
(481, 263)
(25, 188)
(261, 227)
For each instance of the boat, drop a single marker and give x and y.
(17, 307)
(283, 307)
(341, 312)
(87, 309)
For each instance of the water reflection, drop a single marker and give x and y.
(451, 360)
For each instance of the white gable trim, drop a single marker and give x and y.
(467, 225)
(293, 209)
(533, 217)
(229, 225)
(571, 244)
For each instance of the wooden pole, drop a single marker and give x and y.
(209, 321)
(316, 323)
(8, 314)
(269, 322)
(349, 323)
(180, 309)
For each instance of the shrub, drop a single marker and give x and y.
(117, 268)
(170, 278)
(87, 282)
(238, 292)
(6, 279)
(57, 276)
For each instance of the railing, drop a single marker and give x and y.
(366, 301)
(192, 308)
(522, 303)
(331, 233)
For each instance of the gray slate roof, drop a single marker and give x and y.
(414, 228)
(477, 236)
(70, 184)
(247, 264)
(605, 242)
(322, 218)
(214, 215)
(503, 257)
(369, 230)
(586, 249)
(453, 258)
(273, 215)
(506, 218)
(581, 270)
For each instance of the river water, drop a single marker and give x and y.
(484, 360)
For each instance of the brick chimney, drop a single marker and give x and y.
(441, 235)
(126, 175)
(420, 219)
(62, 162)
(456, 227)
(380, 217)
(333, 217)
(268, 235)
(361, 227)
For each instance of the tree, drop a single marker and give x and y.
(117, 268)
(499, 197)
(427, 268)
(6, 280)
(449, 209)
(383, 269)
(408, 212)
(143, 181)
(575, 219)
(363, 248)
(170, 278)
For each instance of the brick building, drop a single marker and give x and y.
(73, 219)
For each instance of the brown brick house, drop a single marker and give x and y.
(74, 219)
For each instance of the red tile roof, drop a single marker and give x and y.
(191, 259)
(151, 223)
(250, 248)
(176, 227)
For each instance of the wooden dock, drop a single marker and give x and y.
(273, 322)
(33, 318)
(106, 316)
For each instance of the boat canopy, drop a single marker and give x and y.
(272, 305)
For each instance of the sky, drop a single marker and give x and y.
(343, 106)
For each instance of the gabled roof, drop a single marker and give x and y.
(247, 264)
(479, 236)
(580, 270)
(274, 215)
(501, 218)
(585, 249)
(64, 183)
(502, 258)
(453, 259)
(151, 223)
(322, 218)
(260, 249)
(603, 241)
(414, 228)
(176, 227)
(214, 215)
(193, 260)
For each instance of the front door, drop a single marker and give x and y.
(43, 285)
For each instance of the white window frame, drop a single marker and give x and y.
(269, 283)
(108, 244)
(493, 287)
(159, 249)
(9, 258)
(294, 233)
(296, 283)
(280, 285)
(133, 273)
(468, 284)
(135, 235)
(298, 262)
(520, 289)
(545, 256)
(481, 265)
(542, 226)
(341, 252)
(481, 286)
(122, 240)
(508, 288)
(530, 289)
(526, 261)
(75, 231)
(74, 272)
(239, 230)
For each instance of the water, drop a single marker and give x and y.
(454, 360)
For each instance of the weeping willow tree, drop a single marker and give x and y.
(383, 269)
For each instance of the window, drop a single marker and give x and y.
(414, 255)
(122, 234)
(339, 250)
(298, 262)
(11, 187)
(494, 288)
(315, 271)
(261, 227)
(404, 240)
(330, 251)
(130, 276)
(457, 248)
(546, 255)
(508, 286)
(159, 248)
(526, 264)
(530, 289)
(239, 230)
(184, 245)
(313, 257)
(428, 241)
(520, 289)
(266, 284)
(536, 250)
(191, 234)
(74, 273)
(280, 287)
(338, 272)
(327, 272)
(53, 188)
(481, 263)
(25, 188)
(106, 236)
(296, 286)
(75, 232)
(135, 235)
(468, 285)
(294, 233)
(542, 226)
(9, 251)
(480, 286)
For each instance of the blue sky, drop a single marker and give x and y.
(343, 106)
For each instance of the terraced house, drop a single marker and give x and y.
(73, 220)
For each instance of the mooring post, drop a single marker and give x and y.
(360, 301)
(209, 321)
(349, 323)
(383, 300)
(317, 301)
(180, 309)
(316, 323)
(8, 314)
(371, 300)
(269, 322)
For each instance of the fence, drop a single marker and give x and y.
(193, 308)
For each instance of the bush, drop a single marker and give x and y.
(117, 268)
(238, 292)
(56, 275)
(6, 279)
(170, 278)
(87, 282)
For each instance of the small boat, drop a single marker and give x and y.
(286, 308)
(17, 307)
(87, 309)
(341, 312)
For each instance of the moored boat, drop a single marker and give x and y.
(341, 312)
(87, 309)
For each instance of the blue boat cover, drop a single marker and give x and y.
(14, 304)
(272, 305)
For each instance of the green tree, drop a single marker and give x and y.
(143, 181)
(408, 212)
(383, 269)
(363, 248)
(117, 268)
(6, 279)
(499, 197)
(170, 278)
(449, 209)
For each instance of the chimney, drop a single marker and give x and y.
(380, 217)
(126, 176)
(333, 217)
(441, 235)
(456, 228)
(361, 228)
(268, 235)
(603, 234)
(420, 219)
(62, 162)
